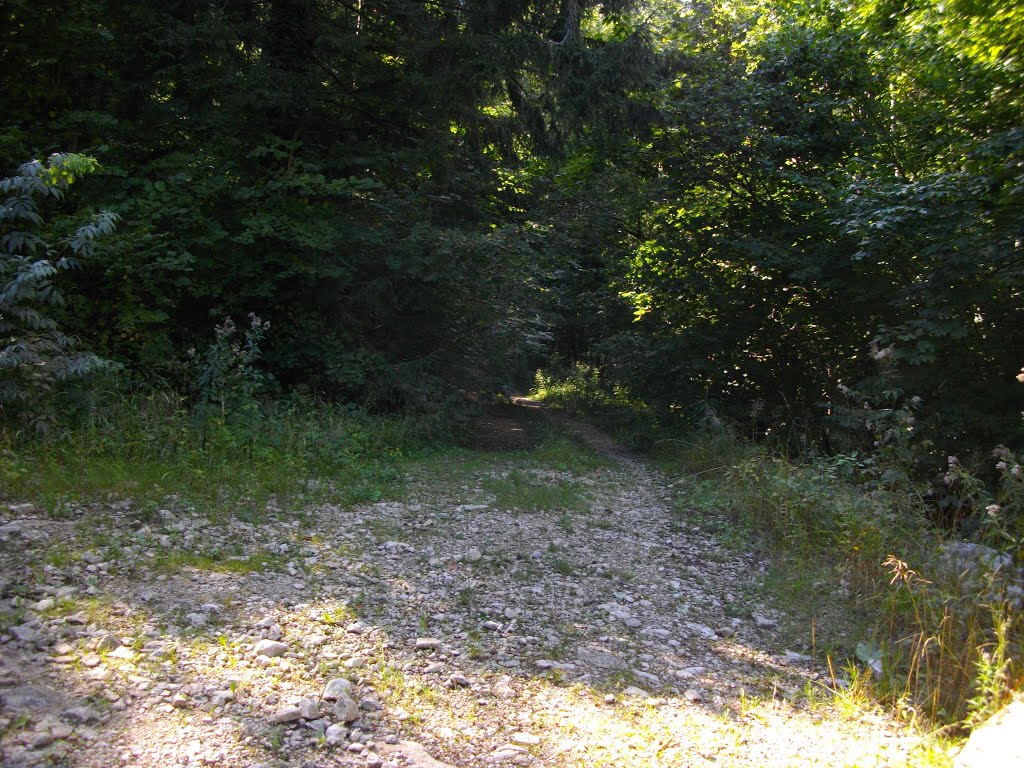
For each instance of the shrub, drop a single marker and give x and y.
(35, 357)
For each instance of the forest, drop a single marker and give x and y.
(228, 225)
(804, 216)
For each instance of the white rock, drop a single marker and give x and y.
(107, 642)
(270, 648)
(310, 709)
(336, 688)
(286, 715)
(82, 714)
(525, 738)
(345, 709)
(640, 693)
(336, 734)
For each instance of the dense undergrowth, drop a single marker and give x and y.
(155, 445)
(941, 630)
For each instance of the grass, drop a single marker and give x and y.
(173, 561)
(949, 650)
(855, 562)
(527, 491)
(149, 448)
(564, 567)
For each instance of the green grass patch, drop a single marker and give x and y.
(175, 560)
(555, 452)
(563, 567)
(152, 448)
(524, 490)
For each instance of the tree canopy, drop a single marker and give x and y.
(806, 215)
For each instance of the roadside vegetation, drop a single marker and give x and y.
(905, 610)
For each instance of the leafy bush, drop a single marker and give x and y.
(583, 389)
(35, 357)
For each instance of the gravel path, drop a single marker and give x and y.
(505, 611)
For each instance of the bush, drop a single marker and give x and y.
(36, 359)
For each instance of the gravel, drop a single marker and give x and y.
(440, 630)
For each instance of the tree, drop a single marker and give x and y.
(36, 358)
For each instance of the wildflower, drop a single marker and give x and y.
(1016, 470)
(1001, 465)
(993, 510)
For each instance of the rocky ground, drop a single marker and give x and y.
(507, 610)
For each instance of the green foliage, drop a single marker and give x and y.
(36, 358)
(582, 389)
(227, 379)
(945, 636)
(148, 447)
(358, 179)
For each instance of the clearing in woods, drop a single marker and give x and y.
(545, 599)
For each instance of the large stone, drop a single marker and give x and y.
(286, 715)
(600, 659)
(25, 633)
(31, 698)
(108, 641)
(310, 709)
(270, 648)
(414, 755)
(963, 557)
(998, 741)
(82, 715)
(336, 688)
(345, 709)
(336, 734)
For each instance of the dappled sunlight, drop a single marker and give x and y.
(564, 619)
(214, 699)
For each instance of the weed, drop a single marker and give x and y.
(173, 561)
(148, 447)
(339, 615)
(563, 567)
(565, 522)
(275, 738)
